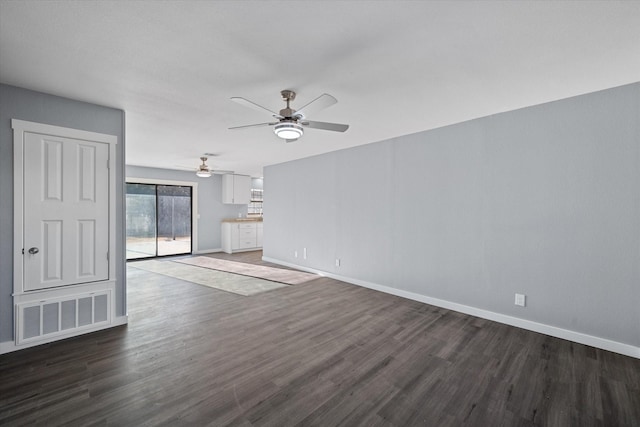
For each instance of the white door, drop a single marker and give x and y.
(66, 211)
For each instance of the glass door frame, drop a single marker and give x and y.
(194, 207)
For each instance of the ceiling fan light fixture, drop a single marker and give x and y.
(288, 130)
(203, 170)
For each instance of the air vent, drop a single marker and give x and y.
(50, 318)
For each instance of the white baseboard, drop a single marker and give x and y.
(207, 251)
(120, 320)
(578, 337)
(10, 346)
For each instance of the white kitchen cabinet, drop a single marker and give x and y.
(236, 189)
(241, 236)
(259, 228)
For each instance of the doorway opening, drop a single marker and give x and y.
(159, 219)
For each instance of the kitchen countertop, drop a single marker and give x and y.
(250, 219)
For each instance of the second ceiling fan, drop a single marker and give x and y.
(290, 123)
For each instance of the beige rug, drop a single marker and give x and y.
(235, 283)
(290, 277)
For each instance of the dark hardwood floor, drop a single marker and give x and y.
(323, 353)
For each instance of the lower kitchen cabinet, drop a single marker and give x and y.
(240, 236)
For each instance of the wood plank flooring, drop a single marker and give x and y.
(323, 353)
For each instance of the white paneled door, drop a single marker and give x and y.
(66, 211)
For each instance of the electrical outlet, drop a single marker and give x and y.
(337, 262)
(521, 300)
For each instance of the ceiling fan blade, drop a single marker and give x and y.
(320, 103)
(254, 106)
(184, 168)
(336, 127)
(221, 172)
(254, 126)
(290, 140)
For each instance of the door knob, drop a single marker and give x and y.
(33, 251)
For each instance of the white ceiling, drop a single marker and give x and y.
(396, 67)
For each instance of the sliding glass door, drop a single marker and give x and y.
(141, 221)
(174, 220)
(158, 220)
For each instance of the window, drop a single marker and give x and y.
(255, 204)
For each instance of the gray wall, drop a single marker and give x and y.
(17, 103)
(543, 201)
(212, 210)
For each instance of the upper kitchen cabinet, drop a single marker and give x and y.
(236, 189)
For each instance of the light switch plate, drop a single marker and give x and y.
(521, 300)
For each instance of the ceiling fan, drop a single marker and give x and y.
(291, 123)
(204, 171)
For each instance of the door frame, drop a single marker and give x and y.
(19, 128)
(195, 215)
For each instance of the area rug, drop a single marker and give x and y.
(290, 277)
(228, 282)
